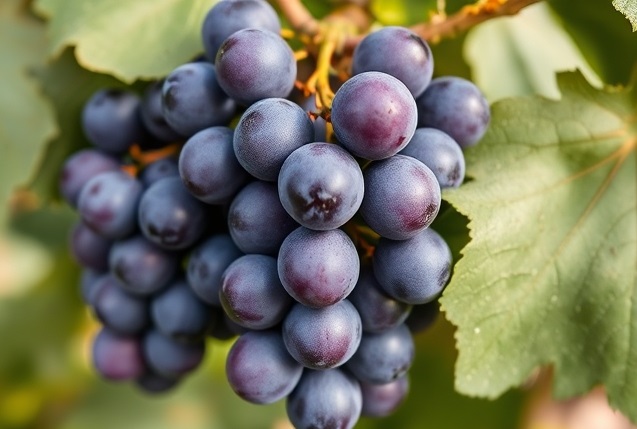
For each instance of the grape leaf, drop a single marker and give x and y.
(128, 39)
(26, 118)
(550, 276)
(628, 8)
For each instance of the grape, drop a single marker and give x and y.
(142, 267)
(80, 168)
(321, 186)
(422, 317)
(382, 358)
(179, 314)
(169, 357)
(399, 52)
(325, 400)
(318, 268)
(152, 114)
(252, 294)
(89, 279)
(227, 17)
(169, 216)
(381, 400)
(117, 357)
(108, 204)
(193, 100)
(117, 309)
(455, 106)
(160, 169)
(374, 115)
(378, 311)
(402, 197)
(438, 151)
(267, 133)
(209, 168)
(111, 120)
(206, 265)
(322, 338)
(414, 271)
(257, 221)
(259, 368)
(253, 64)
(154, 383)
(89, 248)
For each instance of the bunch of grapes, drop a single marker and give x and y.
(318, 254)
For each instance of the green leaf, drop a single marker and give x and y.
(26, 118)
(129, 39)
(628, 8)
(402, 12)
(550, 276)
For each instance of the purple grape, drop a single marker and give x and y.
(89, 248)
(379, 312)
(79, 168)
(108, 204)
(259, 368)
(422, 317)
(253, 64)
(399, 52)
(169, 357)
(414, 271)
(142, 267)
(267, 133)
(381, 400)
(257, 221)
(192, 99)
(154, 383)
(89, 279)
(117, 357)
(374, 115)
(117, 309)
(152, 114)
(455, 106)
(206, 265)
(325, 400)
(227, 17)
(438, 151)
(170, 216)
(251, 292)
(208, 167)
(382, 358)
(160, 169)
(402, 197)
(318, 268)
(321, 186)
(322, 338)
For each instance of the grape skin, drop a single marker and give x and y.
(152, 115)
(89, 248)
(117, 357)
(119, 310)
(169, 357)
(89, 279)
(79, 168)
(381, 400)
(160, 169)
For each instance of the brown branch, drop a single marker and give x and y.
(299, 17)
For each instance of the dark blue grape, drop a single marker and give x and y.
(89, 248)
(209, 168)
(455, 106)
(253, 64)
(382, 358)
(438, 151)
(179, 314)
(111, 120)
(142, 267)
(207, 263)
(399, 52)
(170, 216)
(227, 17)
(422, 317)
(379, 312)
(117, 357)
(381, 400)
(169, 357)
(117, 309)
(252, 294)
(402, 197)
(259, 368)
(152, 114)
(374, 115)
(89, 279)
(108, 204)
(321, 186)
(318, 268)
(325, 400)
(79, 168)
(193, 100)
(160, 169)
(414, 271)
(257, 221)
(267, 133)
(322, 338)
(154, 383)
